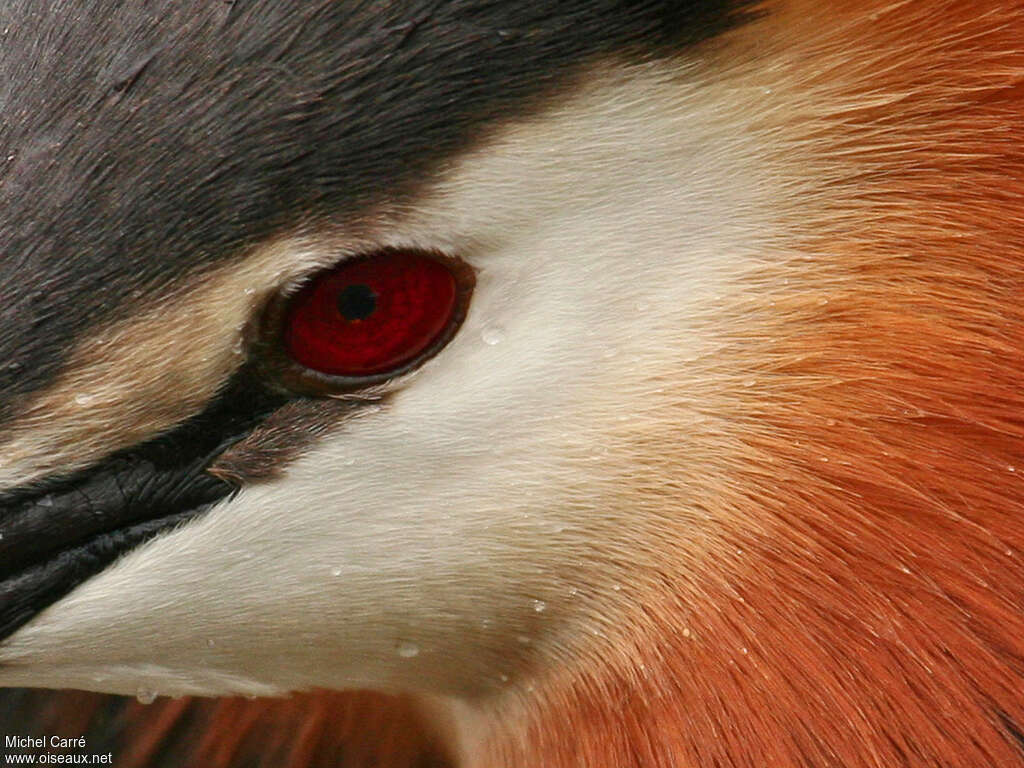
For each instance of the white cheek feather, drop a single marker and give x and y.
(474, 523)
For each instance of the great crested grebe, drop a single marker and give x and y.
(574, 383)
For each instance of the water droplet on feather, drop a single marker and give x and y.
(408, 650)
(145, 696)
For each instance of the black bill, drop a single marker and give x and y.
(57, 534)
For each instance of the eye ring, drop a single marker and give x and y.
(270, 348)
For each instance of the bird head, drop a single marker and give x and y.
(522, 357)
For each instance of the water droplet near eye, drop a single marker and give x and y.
(145, 695)
(540, 606)
(83, 399)
(617, 587)
(250, 291)
(492, 335)
(408, 650)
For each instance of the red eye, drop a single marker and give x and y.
(373, 315)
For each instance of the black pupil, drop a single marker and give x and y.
(357, 302)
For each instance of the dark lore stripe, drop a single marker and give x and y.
(57, 534)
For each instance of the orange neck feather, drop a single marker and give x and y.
(862, 601)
